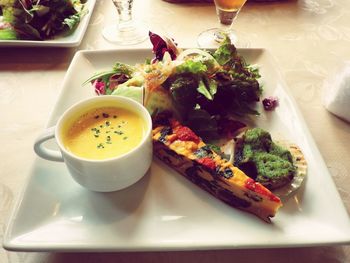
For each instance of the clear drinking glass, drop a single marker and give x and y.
(127, 31)
(227, 11)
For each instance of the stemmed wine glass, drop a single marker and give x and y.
(127, 31)
(227, 11)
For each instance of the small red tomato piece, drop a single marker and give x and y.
(258, 188)
(207, 162)
(186, 134)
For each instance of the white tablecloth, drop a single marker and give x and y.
(309, 39)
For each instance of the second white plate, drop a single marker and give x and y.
(71, 40)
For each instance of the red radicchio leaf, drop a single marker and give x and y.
(99, 86)
(162, 45)
(116, 80)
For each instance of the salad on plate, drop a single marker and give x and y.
(39, 19)
(198, 86)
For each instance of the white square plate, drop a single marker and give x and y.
(71, 40)
(164, 211)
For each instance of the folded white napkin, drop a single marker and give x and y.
(336, 93)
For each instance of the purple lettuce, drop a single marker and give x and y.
(100, 87)
(162, 45)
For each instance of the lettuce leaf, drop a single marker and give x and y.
(190, 66)
(132, 92)
(8, 34)
(225, 52)
(204, 124)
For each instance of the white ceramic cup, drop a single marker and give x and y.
(100, 175)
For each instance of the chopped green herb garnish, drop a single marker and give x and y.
(100, 146)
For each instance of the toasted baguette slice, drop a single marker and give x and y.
(300, 163)
(185, 152)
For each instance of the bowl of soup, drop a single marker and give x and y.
(104, 141)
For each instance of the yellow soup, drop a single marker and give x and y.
(104, 133)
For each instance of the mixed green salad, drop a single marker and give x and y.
(39, 19)
(209, 91)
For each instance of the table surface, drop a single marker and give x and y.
(310, 40)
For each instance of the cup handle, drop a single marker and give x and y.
(42, 151)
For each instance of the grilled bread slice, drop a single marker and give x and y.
(300, 164)
(180, 148)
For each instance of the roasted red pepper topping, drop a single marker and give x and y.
(207, 162)
(258, 188)
(186, 134)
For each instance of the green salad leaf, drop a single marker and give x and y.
(203, 89)
(225, 52)
(203, 123)
(194, 67)
(132, 92)
(7, 34)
